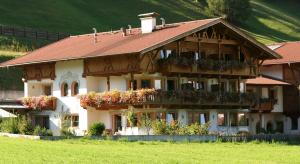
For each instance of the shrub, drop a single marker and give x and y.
(97, 129)
(24, 126)
(159, 127)
(42, 131)
(10, 125)
(65, 128)
(175, 128)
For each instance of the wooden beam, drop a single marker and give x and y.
(212, 41)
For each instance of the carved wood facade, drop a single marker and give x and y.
(39, 71)
(111, 65)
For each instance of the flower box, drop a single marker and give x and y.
(40, 102)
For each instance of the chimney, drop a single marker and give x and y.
(148, 22)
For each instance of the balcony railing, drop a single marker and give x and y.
(159, 97)
(40, 102)
(210, 66)
(264, 105)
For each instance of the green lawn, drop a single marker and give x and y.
(88, 151)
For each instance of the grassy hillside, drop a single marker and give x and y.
(271, 21)
(10, 78)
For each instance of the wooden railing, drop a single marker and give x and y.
(207, 66)
(264, 105)
(158, 97)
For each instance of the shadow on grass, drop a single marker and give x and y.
(272, 31)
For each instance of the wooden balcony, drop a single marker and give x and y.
(167, 99)
(209, 67)
(264, 105)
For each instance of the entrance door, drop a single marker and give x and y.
(117, 123)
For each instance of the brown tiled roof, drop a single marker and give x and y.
(113, 43)
(265, 81)
(290, 51)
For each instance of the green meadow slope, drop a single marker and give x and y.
(271, 20)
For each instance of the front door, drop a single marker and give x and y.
(117, 123)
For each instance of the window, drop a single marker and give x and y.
(197, 117)
(242, 57)
(232, 86)
(157, 84)
(200, 85)
(74, 120)
(242, 120)
(133, 83)
(71, 121)
(171, 116)
(273, 94)
(233, 119)
(171, 85)
(160, 116)
(221, 119)
(294, 123)
(75, 89)
(145, 83)
(47, 90)
(64, 89)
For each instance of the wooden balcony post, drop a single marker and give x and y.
(239, 53)
(219, 92)
(239, 88)
(131, 80)
(108, 83)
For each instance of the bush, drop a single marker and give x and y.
(175, 128)
(39, 131)
(10, 125)
(159, 127)
(97, 129)
(65, 128)
(24, 126)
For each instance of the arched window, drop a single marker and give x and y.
(75, 88)
(64, 89)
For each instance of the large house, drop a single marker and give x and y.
(279, 87)
(189, 71)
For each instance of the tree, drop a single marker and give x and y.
(235, 11)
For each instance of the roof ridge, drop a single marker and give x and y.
(138, 28)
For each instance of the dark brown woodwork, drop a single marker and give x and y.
(291, 101)
(39, 71)
(111, 65)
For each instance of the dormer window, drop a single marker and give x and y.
(74, 88)
(64, 89)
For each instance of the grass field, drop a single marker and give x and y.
(88, 151)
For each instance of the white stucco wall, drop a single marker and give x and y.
(118, 82)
